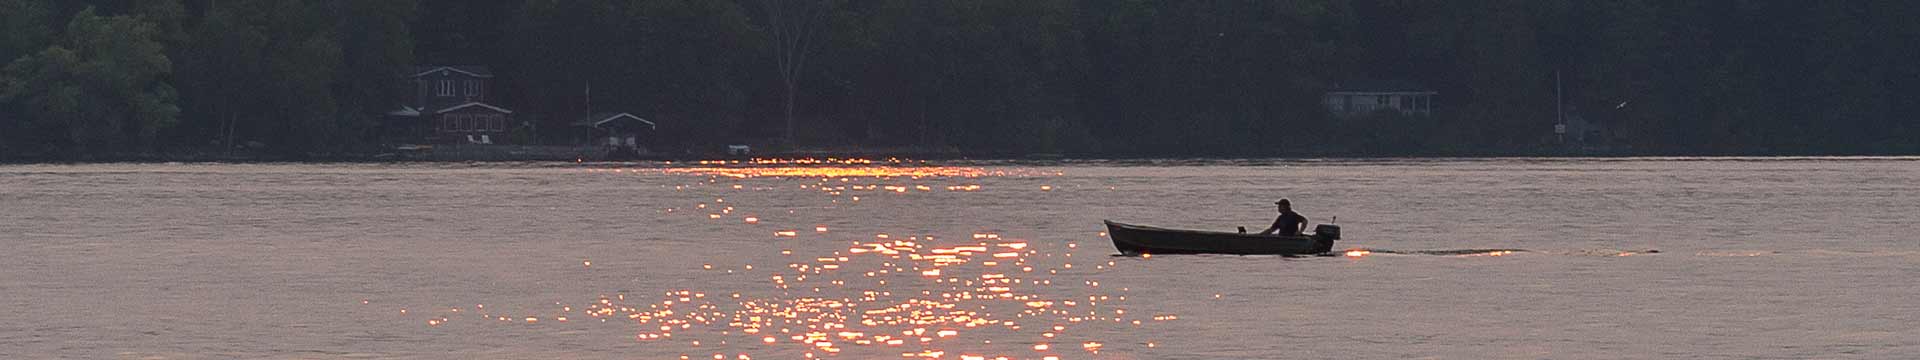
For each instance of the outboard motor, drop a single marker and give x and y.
(1328, 231)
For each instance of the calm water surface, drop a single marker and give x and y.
(1756, 258)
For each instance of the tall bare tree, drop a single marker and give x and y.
(793, 25)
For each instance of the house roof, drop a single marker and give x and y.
(598, 119)
(473, 104)
(470, 70)
(1378, 86)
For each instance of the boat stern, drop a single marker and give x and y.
(1327, 231)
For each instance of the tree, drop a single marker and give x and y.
(101, 85)
(1120, 77)
(376, 47)
(25, 27)
(266, 71)
(218, 66)
(793, 27)
(677, 62)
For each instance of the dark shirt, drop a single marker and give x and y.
(1289, 223)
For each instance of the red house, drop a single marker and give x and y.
(448, 105)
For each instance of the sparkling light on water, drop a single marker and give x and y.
(906, 295)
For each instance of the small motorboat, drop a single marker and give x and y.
(1134, 240)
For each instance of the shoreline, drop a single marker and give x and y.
(361, 158)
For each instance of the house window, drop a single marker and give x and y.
(498, 123)
(473, 88)
(445, 88)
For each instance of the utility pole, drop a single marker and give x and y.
(1559, 110)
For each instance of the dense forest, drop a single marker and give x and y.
(88, 79)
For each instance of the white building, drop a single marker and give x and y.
(1366, 97)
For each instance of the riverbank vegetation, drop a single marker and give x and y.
(88, 79)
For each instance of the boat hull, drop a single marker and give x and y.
(1137, 239)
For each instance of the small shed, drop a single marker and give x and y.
(1578, 130)
(614, 129)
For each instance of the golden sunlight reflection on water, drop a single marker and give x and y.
(838, 172)
(907, 295)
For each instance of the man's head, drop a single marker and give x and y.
(1285, 205)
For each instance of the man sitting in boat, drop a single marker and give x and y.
(1289, 223)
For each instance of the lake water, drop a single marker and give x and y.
(1619, 258)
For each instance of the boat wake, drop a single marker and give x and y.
(1362, 252)
(1723, 253)
(1459, 252)
(1496, 252)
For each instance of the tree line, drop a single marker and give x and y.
(98, 78)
